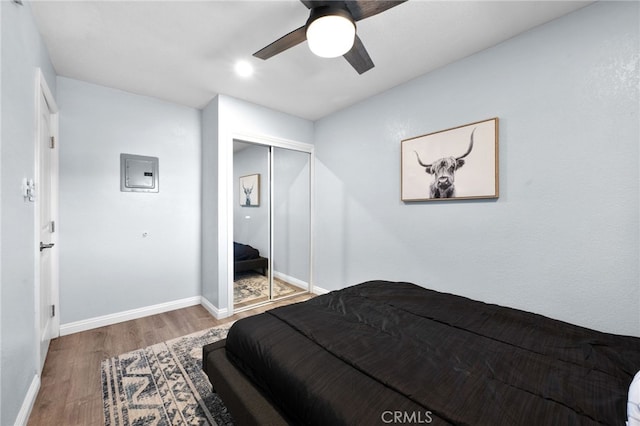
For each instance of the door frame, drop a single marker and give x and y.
(42, 89)
(270, 142)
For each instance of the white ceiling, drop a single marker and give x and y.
(185, 51)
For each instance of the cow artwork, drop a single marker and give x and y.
(250, 190)
(247, 195)
(459, 163)
(443, 171)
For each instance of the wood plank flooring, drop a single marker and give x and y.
(71, 387)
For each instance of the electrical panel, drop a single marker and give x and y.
(139, 173)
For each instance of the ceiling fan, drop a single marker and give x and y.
(331, 31)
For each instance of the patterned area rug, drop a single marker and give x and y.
(251, 285)
(163, 384)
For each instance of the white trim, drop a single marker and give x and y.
(42, 83)
(42, 88)
(312, 206)
(291, 280)
(91, 323)
(228, 235)
(225, 215)
(270, 219)
(29, 400)
(319, 290)
(217, 313)
(273, 141)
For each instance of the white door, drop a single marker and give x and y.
(44, 205)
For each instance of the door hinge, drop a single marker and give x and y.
(53, 142)
(53, 310)
(53, 226)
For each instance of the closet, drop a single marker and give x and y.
(272, 196)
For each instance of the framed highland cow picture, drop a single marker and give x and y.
(250, 191)
(454, 164)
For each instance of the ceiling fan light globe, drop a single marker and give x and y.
(331, 36)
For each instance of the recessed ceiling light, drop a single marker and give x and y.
(244, 69)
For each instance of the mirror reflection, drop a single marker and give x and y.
(251, 243)
(291, 221)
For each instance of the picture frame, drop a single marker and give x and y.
(459, 163)
(250, 190)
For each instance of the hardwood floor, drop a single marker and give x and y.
(71, 387)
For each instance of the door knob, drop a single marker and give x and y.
(45, 246)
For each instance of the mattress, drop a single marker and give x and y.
(383, 352)
(244, 252)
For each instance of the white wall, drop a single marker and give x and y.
(22, 52)
(107, 265)
(223, 119)
(563, 238)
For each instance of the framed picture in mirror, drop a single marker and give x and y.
(250, 190)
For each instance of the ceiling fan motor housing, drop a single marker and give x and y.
(338, 37)
(337, 9)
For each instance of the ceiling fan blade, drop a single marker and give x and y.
(358, 57)
(294, 38)
(361, 9)
(315, 3)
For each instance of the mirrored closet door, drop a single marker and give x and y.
(291, 222)
(272, 223)
(251, 224)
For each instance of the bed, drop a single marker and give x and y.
(388, 352)
(247, 258)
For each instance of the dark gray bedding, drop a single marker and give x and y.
(244, 252)
(370, 353)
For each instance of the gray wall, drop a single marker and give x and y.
(563, 239)
(209, 196)
(106, 264)
(21, 53)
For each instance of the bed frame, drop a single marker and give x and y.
(260, 263)
(248, 405)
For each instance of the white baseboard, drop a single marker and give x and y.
(319, 290)
(299, 283)
(29, 400)
(291, 280)
(91, 323)
(217, 313)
